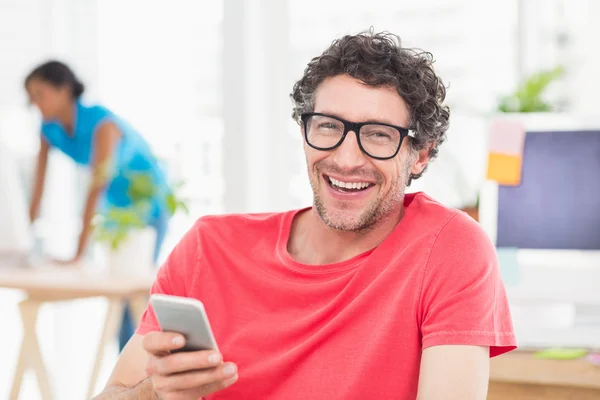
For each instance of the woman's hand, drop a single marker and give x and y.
(73, 262)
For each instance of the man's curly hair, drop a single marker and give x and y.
(378, 59)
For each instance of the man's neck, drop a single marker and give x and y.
(313, 242)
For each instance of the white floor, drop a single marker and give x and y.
(68, 333)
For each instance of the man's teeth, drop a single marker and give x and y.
(348, 185)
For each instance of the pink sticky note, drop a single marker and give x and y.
(506, 137)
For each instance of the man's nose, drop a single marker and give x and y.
(349, 155)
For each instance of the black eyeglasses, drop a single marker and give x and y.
(377, 140)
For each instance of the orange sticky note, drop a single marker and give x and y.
(504, 169)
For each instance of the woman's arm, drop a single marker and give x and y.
(39, 179)
(105, 143)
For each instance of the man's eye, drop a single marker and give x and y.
(327, 125)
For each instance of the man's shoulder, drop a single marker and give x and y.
(446, 223)
(456, 237)
(234, 224)
(239, 218)
(428, 213)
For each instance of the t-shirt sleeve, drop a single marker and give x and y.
(463, 300)
(46, 133)
(171, 277)
(98, 117)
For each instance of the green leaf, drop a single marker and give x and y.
(141, 187)
(528, 96)
(118, 238)
(181, 204)
(171, 203)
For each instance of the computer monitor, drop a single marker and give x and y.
(553, 218)
(15, 233)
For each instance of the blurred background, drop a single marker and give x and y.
(207, 84)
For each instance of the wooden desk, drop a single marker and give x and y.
(520, 376)
(50, 284)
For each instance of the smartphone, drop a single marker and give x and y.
(186, 316)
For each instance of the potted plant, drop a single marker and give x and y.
(124, 232)
(528, 98)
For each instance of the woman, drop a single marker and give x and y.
(95, 137)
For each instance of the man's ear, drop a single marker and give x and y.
(421, 160)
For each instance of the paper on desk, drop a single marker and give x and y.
(561, 354)
(509, 265)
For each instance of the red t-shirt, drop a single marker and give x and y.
(350, 330)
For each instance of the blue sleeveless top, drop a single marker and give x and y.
(133, 154)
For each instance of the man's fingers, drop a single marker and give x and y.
(185, 374)
(184, 361)
(159, 343)
(198, 393)
(195, 379)
(183, 395)
(214, 387)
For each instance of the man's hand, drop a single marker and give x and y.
(185, 375)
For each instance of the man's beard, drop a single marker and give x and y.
(375, 211)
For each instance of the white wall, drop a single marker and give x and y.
(575, 21)
(585, 64)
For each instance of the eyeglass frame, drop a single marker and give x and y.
(355, 127)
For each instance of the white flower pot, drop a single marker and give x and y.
(134, 256)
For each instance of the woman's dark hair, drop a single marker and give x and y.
(378, 59)
(58, 74)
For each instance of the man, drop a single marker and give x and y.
(369, 294)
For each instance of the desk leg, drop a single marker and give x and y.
(30, 354)
(109, 332)
(19, 372)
